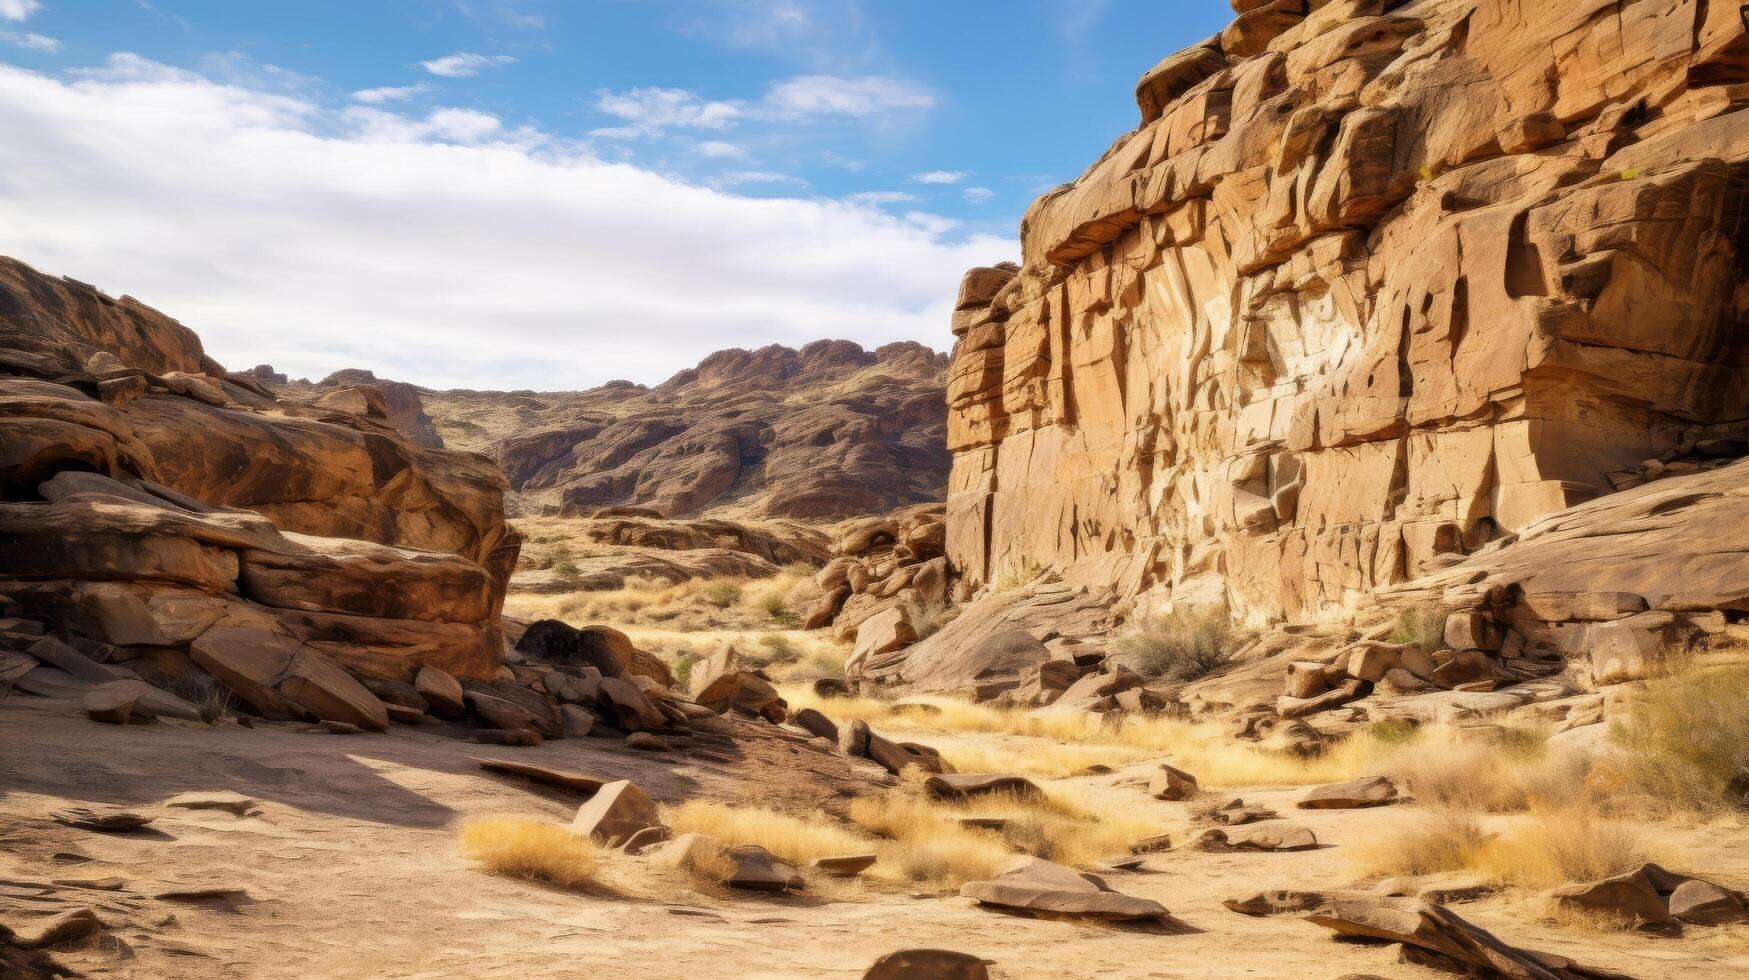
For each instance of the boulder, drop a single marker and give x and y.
(441, 692)
(577, 721)
(816, 724)
(117, 703)
(927, 964)
(61, 929)
(1434, 929)
(883, 632)
(961, 786)
(753, 868)
(1353, 795)
(1037, 886)
(625, 703)
(616, 812)
(1171, 783)
(1704, 903)
(1264, 837)
(284, 679)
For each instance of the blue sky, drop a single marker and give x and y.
(548, 194)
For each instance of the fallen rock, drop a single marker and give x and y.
(616, 812)
(283, 679)
(646, 742)
(113, 821)
(927, 964)
(1172, 783)
(235, 804)
(816, 724)
(117, 703)
(1354, 795)
(70, 926)
(845, 866)
(1278, 902)
(545, 775)
(1237, 813)
(1266, 837)
(441, 692)
(1039, 887)
(578, 722)
(753, 868)
(961, 786)
(1704, 903)
(1435, 929)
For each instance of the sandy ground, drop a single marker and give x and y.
(352, 869)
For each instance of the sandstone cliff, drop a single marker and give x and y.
(154, 503)
(1374, 282)
(827, 431)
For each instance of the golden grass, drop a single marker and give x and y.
(1049, 760)
(1538, 850)
(918, 840)
(531, 850)
(1443, 770)
(1204, 749)
(1685, 741)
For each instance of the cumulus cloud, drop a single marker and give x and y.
(463, 64)
(803, 98)
(881, 197)
(978, 195)
(719, 150)
(31, 42)
(18, 9)
(444, 247)
(389, 93)
(939, 177)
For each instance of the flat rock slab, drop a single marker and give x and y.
(1437, 930)
(845, 866)
(234, 803)
(964, 785)
(1355, 795)
(562, 778)
(70, 926)
(928, 964)
(1265, 837)
(1039, 887)
(112, 822)
(756, 869)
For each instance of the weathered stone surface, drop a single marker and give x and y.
(283, 678)
(1372, 286)
(441, 692)
(755, 869)
(1354, 795)
(1171, 783)
(546, 775)
(964, 785)
(845, 865)
(1704, 903)
(616, 812)
(235, 804)
(1263, 837)
(927, 964)
(1437, 930)
(1042, 888)
(183, 494)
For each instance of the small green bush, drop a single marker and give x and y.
(683, 667)
(1181, 647)
(723, 594)
(1423, 626)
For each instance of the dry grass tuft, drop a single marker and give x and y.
(793, 839)
(1686, 741)
(531, 850)
(1475, 777)
(1183, 646)
(1539, 850)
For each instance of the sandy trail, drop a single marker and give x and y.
(352, 870)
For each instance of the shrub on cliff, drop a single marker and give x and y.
(1182, 646)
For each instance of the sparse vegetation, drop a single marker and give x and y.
(932, 617)
(1685, 741)
(1540, 850)
(1182, 646)
(531, 850)
(723, 593)
(1423, 626)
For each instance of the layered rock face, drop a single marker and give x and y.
(151, 503)
(827, 431)
(1375, 281)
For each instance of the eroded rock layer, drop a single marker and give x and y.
(1373, 282)
(149, 498)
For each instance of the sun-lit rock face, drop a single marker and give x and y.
(1373, 282)
(148, 498)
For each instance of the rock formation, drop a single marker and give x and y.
(159, 509)
(827, 431)
(1373, 282)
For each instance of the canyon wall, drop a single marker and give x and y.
(153, 505)
(1373, 283)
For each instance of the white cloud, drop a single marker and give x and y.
(445, 248)
(389, 93)
(737, 177)
(873, 198)
(31, 42)
(18, 9)
(978, 195)
(826, 95)
(719, 150)
(939, 177)
(651, 110)
(803, 98)
(462, 64)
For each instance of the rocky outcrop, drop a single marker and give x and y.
(352, 390)
(156, 506)
(827, 431)
(1372, 283)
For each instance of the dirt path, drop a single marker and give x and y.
(352, 870)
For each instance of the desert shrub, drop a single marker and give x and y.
(565, 570)
(531, 850)
(202, 690)
(1423, 626)
(1022, 575)
(722, 594)
(1686, 740)
(1541, 850)
(1430, 844)
(1183, 646)
(778, 649)
(932, 617)
(774, 604)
